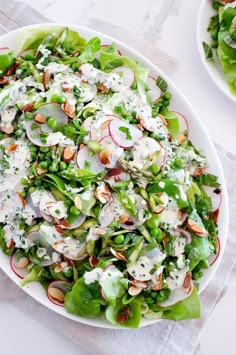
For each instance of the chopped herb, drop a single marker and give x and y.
(161, 83)
(76, 92)
(208, 51)
(126, 131)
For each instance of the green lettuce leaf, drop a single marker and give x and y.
(134, 317)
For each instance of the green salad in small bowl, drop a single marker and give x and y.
(105, 200)
(221, 46)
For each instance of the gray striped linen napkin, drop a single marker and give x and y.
(163, 338)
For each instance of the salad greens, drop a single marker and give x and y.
(104, 199)
(222, 28)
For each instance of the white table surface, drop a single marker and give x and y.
(171, 27)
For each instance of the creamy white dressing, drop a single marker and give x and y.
(143, 152)
(143, 267)
(92, 276)
(176, 278)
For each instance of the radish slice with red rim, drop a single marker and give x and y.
(46, 201)
(34, 136)
(57, 290)
(106, 216)
(19, 268)
(126, 74)
(103, 294)
(86, 159)
(215, 195)
(182, 122)
(154, 91)
(183, 233)
(116, 152)
(213, 257)
(52, 110)
(88, 92)
(123, 133)
(177, 295)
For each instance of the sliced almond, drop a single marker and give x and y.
(41, 171)
(163, 120)
(57, 268)
(39, 118)
(22, 263)
(103, 88)
(118, 255)
(12, 68)
(105, 125)
(10, 244)
(93, 261)
(77, 202)
(124, 217)
(158, 209)
(105, 156)
(187, 282)
(69, 109)
(7, 129)
(65, 87)
(199, 171)
(68, 154)
(60, 228)
(103, 194)
(134, 291)
(21, 199)
(158, 284)
(46, 78)
(65, 223)
(12, 147)
(182, 138)
(139, 284)
(28, 107)
(100, 231)
(216, 215)
(194, 226)
(4, 81)
(56, 294)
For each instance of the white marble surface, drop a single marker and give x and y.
(169, 24)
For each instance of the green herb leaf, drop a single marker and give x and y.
(208, 51)
(161, 83)
(126, 130)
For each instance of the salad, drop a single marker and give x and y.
(104, 199)
(222, 28)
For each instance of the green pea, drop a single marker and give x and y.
(44, 149)
(53, 168)
(160, 297)
(167, 96)
(23, 194)
(44, 164)
(38, 182)
(119, 239)
(33, 149)
(49, 154)
(166, 102)
(153, 222)
(42, 157)
(179, 162)
(75, 211)
(52, 122)
(31, 189)
(62, 166)
(33, 156)
(68, 203)
(149, 300)
(68, 272)
(226, 58)
(24, 181)
(155, 169)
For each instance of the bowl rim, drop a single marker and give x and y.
(194, 117)
(218, 82)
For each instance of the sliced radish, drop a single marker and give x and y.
(36, 238)
(182, 122)
(185, 234)
(53, 110)
(98, 127)
(177, 295)
(148, 151)
(77, 223)
(34, 136)
(21, 271)
(116, 152)
(126, 74)
(57, 290)
(103, 294)
(46, 201)
(213, 257)
(107, 215)
(196, 228)
(215, 195)
(84, 156)
(154, 91)
(5, 50)
(71, 248)
(123, 133)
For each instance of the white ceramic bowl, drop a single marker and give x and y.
(212, 67)
(198, 135)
